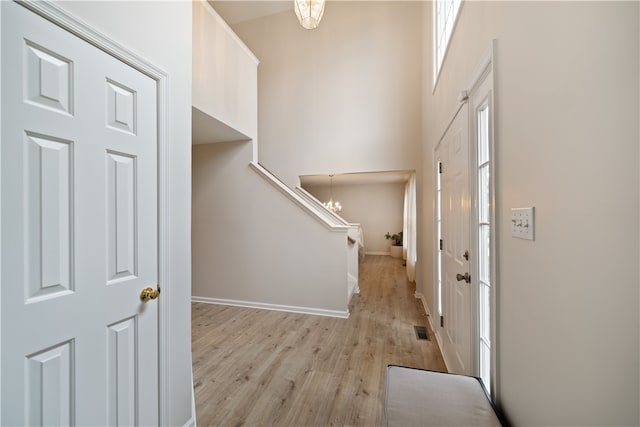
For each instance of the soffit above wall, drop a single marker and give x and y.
(385, 177)
(207, 130)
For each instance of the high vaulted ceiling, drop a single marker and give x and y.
(234, 11)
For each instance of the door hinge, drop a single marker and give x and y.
(440, 167)
(442, 321)
(441, 244)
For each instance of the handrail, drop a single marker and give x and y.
(298, 200)
(311, 199)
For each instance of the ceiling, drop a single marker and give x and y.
(235, 11)
(390, 177)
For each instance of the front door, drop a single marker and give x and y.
(453, 156)
(79, 231)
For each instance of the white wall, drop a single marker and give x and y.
(344, 97)
(340, 98)
(254, 246)
(225, 74)
(378, 208)
(567, 143)
(161, 33)
(251, 245)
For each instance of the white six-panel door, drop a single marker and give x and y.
(79, 231)
(453, 153)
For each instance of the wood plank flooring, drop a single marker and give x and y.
(257, 367)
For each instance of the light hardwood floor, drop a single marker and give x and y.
(256, 367)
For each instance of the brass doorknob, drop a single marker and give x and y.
(149, 294)
(465, 277)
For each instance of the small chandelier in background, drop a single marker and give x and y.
(309, 12)
(334, 207)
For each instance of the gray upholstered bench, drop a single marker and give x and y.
(415, 397)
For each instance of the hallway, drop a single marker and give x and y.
(258, 367)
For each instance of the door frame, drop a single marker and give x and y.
(58, 16)
(439, 329)
(482, 73)
(484, 70)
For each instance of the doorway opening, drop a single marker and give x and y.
(383, 203)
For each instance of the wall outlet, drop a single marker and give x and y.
(522, 223)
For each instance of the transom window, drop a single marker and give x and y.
(444, 18)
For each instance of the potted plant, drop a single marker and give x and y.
(396, 246)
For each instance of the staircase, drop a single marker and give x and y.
(255, 241)
(355, 242)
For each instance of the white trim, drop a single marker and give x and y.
(298, 200)
(483, 71)
(229, 31)
(452, 117)
(434, 227)
(484, 67)
(60, 17)
(332, 216)
(84, 31)
(378, 253)
(192, 422)
(420, 296)
(272, 307)
(463, 100)
(164, 313)
(0, 222)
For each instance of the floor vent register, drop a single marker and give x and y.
(421, 332)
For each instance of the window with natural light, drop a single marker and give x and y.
(484, 244)
(444, 18)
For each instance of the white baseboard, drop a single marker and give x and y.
(191, 422)
(273, 307)
(420, 296)
(377, 253)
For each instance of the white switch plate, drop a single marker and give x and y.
(522, 223)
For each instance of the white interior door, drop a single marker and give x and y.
(79, 231)
(453, 153)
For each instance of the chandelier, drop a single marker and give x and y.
(334, 207)
(309, 12)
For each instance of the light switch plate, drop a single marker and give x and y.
(522, 223)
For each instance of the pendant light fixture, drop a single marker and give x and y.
(334, 207)
(309, 12)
